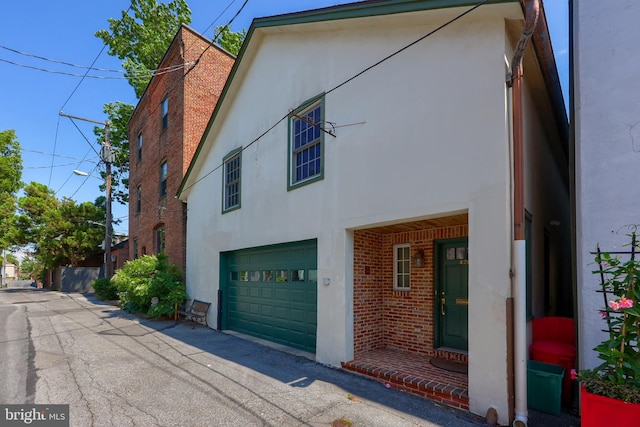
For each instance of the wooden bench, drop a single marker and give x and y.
(196, 311)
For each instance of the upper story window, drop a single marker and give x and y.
(159, 239)
(165, 112)
(139, 146)
(135, 249)
(306, 141)
(138, 199)
(163, 179)
(231, 194)
(402, 266)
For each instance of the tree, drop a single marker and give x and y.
(10, 184)
(30, 268)
(229, 40)
(141, 40)
(13, 259)
(60, 231)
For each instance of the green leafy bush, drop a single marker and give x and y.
(105, 289)
(150, 276)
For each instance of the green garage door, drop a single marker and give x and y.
(271, 292)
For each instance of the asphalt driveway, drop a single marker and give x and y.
(116, 369)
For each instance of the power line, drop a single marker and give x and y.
(85, 137)
(430, 33)
(50, 154)
(216, 19)
(64, 73)
(50, 166)
(83, 182)
(105, 70)
(87, 72)
(77, 165)
(55, 143)
(218, 35)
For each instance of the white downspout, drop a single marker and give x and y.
(519, 268)
(520, 332)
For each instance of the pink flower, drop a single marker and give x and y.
(574, 374)
(626, 303)
(603, 314)
(387, 385)
(614, 305)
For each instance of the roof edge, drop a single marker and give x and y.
(365, 9)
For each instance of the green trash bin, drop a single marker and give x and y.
(544, 386)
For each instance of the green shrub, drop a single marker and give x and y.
(105, 289)
(140, 280)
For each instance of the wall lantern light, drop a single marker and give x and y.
(418, 258)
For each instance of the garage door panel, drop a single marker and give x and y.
(298, 295)
(271, 292)
(281, 294)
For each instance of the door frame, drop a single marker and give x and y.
(437, 245)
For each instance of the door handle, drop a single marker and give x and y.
(442, 301)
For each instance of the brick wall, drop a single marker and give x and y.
(192, 93)
(384, 317)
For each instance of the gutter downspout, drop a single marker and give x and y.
(519, 282)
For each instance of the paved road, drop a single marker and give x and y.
(115, 369)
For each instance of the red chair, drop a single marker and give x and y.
(554, 342)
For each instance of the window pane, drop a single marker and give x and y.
(255, 276)
(305, 144)
(313, 276)
(244, 276)
(297, 275)
(233, 275)
(267, 276)
(282, 275)
(232, 182)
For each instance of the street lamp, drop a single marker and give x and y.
(106, 155)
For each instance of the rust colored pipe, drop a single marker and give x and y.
(518, 348)
(531, 20)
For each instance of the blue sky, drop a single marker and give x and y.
(64, 30)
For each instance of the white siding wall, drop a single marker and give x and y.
(607, 139)
(434, 140)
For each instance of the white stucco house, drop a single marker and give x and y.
(607, 148)
(354, 191)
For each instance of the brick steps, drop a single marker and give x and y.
(413, 374)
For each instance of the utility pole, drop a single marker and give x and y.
(106, 155)
(3, 277)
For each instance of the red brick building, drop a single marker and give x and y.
(164, 132)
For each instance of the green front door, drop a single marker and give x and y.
(452, 292)
(271, 292)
